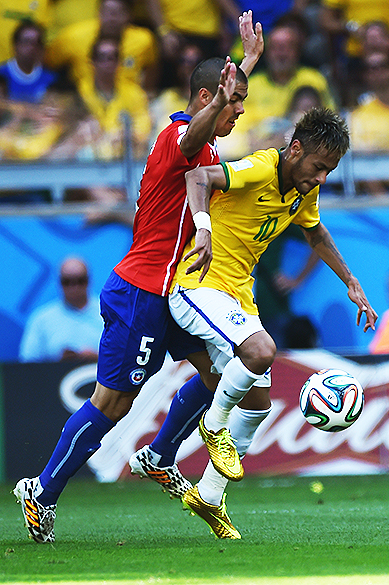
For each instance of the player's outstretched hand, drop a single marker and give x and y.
(203, 247)
(357, 295)
(252, 41)
(227, 83)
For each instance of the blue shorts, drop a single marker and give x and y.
(138, 331)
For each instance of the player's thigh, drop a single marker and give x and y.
(216, 317)
(134, 340)
(183, 345)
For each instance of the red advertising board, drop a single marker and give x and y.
(285, 443)
(39, 397)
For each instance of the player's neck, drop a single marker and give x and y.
(286, 179)
(192, 109)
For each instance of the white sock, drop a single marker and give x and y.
(234, 384)
(212, 485)
(244, 423)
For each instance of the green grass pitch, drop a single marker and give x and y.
(129, 532)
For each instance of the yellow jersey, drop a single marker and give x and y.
(63, 13)
(245, 218)
(369, 127)
(195, 17)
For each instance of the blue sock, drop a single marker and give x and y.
(183, 417)
(80, 438)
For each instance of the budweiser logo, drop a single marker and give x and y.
(284, 442)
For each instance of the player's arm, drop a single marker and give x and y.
(199, 185)
(202, 126)
(252, 41)
(321, 241)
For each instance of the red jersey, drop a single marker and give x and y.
(163, 222)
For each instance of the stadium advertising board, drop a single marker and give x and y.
(39, 397)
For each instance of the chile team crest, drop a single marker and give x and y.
(137, 376)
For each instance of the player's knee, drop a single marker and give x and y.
(113, 403)
(210, 380)
(258, 352)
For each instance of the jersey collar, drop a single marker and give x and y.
(180, 116)
(281, 184)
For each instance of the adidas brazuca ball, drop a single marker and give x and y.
(331, 400)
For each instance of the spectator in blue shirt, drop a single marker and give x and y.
(26, 79)
(68, 328)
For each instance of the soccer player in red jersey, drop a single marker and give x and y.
(138, 328)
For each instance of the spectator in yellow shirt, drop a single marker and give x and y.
(138, 48)
(369, 121)
(100, 134)
(108, 97)
(273, 88)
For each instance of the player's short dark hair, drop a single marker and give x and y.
(27, 24)
(322, 128)
(207, 74)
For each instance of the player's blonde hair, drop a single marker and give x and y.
(322, 128)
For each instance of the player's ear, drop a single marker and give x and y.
(205, 96)
(296, 149)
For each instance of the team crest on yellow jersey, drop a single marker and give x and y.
(295, 205)
(236, 317)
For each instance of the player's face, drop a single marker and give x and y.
(231, 112)
(311, 170)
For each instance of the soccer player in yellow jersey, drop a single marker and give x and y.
(258, 197)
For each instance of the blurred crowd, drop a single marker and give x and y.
(76, 76)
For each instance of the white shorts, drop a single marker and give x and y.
(216, 317)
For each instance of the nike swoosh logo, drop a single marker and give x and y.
(261, 199)
(235, 468)
(229, 395)
(225, 525)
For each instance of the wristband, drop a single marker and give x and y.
(202, 219)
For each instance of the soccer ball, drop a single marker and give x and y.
(331, 400)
